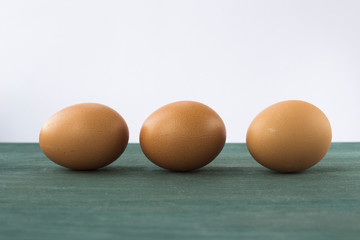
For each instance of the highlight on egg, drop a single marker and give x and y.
(84, 136)
(183, 136)
(289, 136)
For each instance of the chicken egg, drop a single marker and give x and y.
(84, 136)
(289, 136)
(182, 136)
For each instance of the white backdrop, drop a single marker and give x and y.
(238, 57)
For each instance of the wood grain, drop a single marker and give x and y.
(232, 198)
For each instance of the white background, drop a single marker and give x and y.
(238, 57)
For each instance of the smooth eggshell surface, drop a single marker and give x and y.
(289, 136)
(84, 136)
(183, 136)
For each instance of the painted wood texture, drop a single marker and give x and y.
(231, 198)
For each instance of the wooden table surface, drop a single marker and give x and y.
(231, 198)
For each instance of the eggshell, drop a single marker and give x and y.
(183, 136)
(289, 136)
(84, 136)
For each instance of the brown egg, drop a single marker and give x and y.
(84, 136)
(183, 136)
(289, 136)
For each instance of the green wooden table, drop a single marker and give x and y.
(232, 198)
